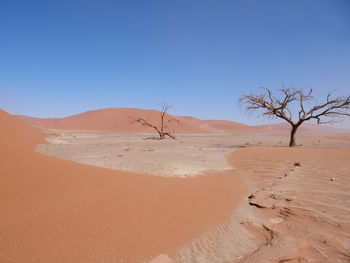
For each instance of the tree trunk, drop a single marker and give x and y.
(292, 135)
(161, 135)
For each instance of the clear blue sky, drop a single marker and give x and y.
(59, 58)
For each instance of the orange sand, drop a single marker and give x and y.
(58, 211)
(121, 120)
(304, 208)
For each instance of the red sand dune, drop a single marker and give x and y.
(54, 210)
(120, 120)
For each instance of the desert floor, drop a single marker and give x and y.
(190, 154)
(297, 208)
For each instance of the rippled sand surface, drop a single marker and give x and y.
(300, 203)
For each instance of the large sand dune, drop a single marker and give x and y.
(58, 211)
(121, 120)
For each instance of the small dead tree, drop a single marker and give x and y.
(162, 128)
(297, 101)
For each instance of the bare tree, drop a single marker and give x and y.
(162, 128)
(297, 101)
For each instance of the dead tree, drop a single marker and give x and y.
(295, 106)
(162, 128)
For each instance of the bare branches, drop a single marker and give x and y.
(334, 107)
(280, 106)
(271, 105)
(162, 129)
(143, 122)
(283, 105)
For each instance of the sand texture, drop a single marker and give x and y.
(58, 211)
(285, 204)
(301, 200)
(264, 203)
(191, 154)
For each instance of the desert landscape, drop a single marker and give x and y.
(175, 131)
(233, 197)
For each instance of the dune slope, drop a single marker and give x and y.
(58, 211)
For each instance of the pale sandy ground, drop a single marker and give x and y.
(190, 154)
(297, 208)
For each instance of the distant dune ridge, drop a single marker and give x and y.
(121, 120)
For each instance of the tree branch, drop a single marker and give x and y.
(282, 106)
(161, 130)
